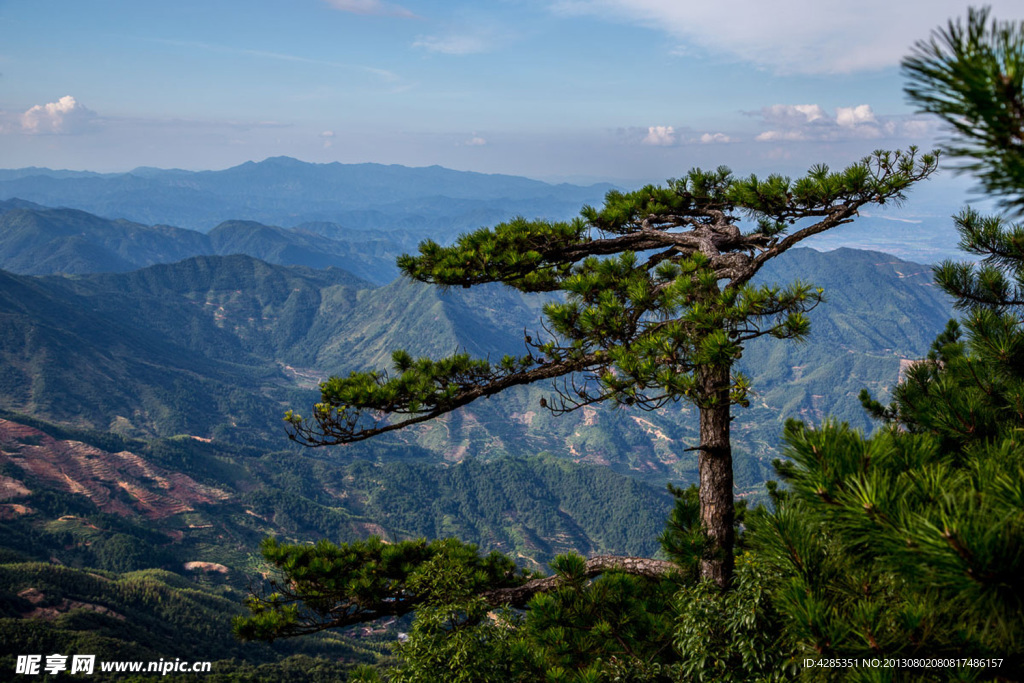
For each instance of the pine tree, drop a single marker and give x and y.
(970, 391)
(911, 542)
(658, 303)
(972, 76)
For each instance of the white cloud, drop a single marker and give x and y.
(370, 7)
(476, 141)
(328, 137)
(793, 114)
(791, 36)
(663, 136)
(709, 138)
(848, 117)
(918, 127)
(670, 136)
(792, 123)
(65, 116)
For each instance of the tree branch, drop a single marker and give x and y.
(840, 216)
(327, 433)
(333, 608)
(518, 596)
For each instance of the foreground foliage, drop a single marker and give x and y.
(894, 547)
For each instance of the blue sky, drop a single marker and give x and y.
(624, 90)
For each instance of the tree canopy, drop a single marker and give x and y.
(658, 303)
(657, 284)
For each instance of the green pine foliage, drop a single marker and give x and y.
(997, 282)
(327, 585)
(584, 629)
(910, 542)
(967, 391)
(971, 74)
(906, 543)
(463, 642)
(637, 324)
(893, 546)
(616, 628)
(732, 635)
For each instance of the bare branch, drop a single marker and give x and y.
(839, 216)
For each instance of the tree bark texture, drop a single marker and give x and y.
(717, 512)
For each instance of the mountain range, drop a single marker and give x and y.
(144, 371)
(219, 346)
(362, 203)
(283, 191)
(36, 240)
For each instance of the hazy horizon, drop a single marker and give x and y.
(581, 90)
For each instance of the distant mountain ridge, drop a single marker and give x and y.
(36, 240)
(288, 192)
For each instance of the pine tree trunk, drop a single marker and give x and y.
(715, 465)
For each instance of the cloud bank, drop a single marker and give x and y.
(712, 138)
(810, 122)
(662, 136)
(670, 136)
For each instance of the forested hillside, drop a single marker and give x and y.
(134, 549)
(574, 341)
(36, 240)
(143, 460)
(161, 376)
(220, 347)
(895, 555)
(172, 501)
